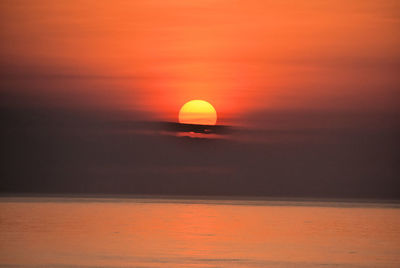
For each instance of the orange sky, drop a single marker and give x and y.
(241, 56)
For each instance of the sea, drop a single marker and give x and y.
(101, 231)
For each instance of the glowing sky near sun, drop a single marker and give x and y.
(242, 56)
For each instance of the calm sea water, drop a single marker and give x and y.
(117, 232)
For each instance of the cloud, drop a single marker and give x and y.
(78, 151)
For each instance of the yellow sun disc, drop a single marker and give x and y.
(198, 112)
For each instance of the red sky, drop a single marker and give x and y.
(310, 90)
(242, 56)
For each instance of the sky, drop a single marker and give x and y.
(309, 88)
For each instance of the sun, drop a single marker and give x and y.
(198, 112)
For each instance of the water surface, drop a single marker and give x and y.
(145, 232)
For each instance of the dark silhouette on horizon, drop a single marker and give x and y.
(196, 128)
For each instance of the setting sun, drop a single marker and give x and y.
(198, 112)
